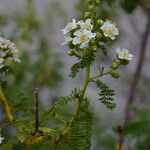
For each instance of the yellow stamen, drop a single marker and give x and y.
(109, 31)
(83, 37)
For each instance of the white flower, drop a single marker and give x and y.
(8, 51)
(4, 43)
(86, 25)
(70, 26)
(67, 40)
(110, 30)
(1, 60)
(15, 52)
(83, 37)
(124, 54)
(1, 139)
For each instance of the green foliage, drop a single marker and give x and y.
(6, 70)
(29, 22)
(32, 127)
(61, 103)
(9, 145)
(129, 5)
(80, 131)
(106, 94)
(42, 145)
(138, 129)
(87, 60)
(105, 9)
(139, 125)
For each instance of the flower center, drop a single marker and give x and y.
(109, 31)
(16, 53)
(124, 55)
(83, 37)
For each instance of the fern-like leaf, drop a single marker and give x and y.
(80, 131)
(103, 49)
(9, 145)
(61, 103)
(106, 95)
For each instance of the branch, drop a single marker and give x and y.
(78, 106)
(120, 130)
(36, 110)
(102, 74)
(138, 71)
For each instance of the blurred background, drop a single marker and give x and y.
(35, 25)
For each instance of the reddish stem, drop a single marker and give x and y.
(137, 74)
(120, 141)
(36, 110)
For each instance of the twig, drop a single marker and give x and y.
(79, 103)
(138, 71)
(36, 110)
(102, 74)
(120, 131)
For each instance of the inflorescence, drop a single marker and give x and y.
(8, 52)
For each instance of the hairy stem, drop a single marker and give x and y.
(102, 74)
(79, 103)
(6, 105)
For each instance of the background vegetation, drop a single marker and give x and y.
(44, 66)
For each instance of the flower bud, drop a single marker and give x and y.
(90, 1)
(87, 14)
(91, 7)
(105, 39)
(94, 48)
(70, 52)
(124, 62)
(98, 36)
(99, 22)
(115, 64)
(115, 75)
(97, 2)
(92, 42)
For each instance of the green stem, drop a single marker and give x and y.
(6, 105)
(79, 103)
(102, 74)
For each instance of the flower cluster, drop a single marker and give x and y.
(8, 52)
(86, 35)
(80, 33)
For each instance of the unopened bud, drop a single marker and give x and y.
(87, 14)
(91, 7)
(115, 75)
(94, 48)
(90, 1)
(70, 52)
(124, 62)
(115, 64)
(100, 22)
(98, 36)
(97, 2)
